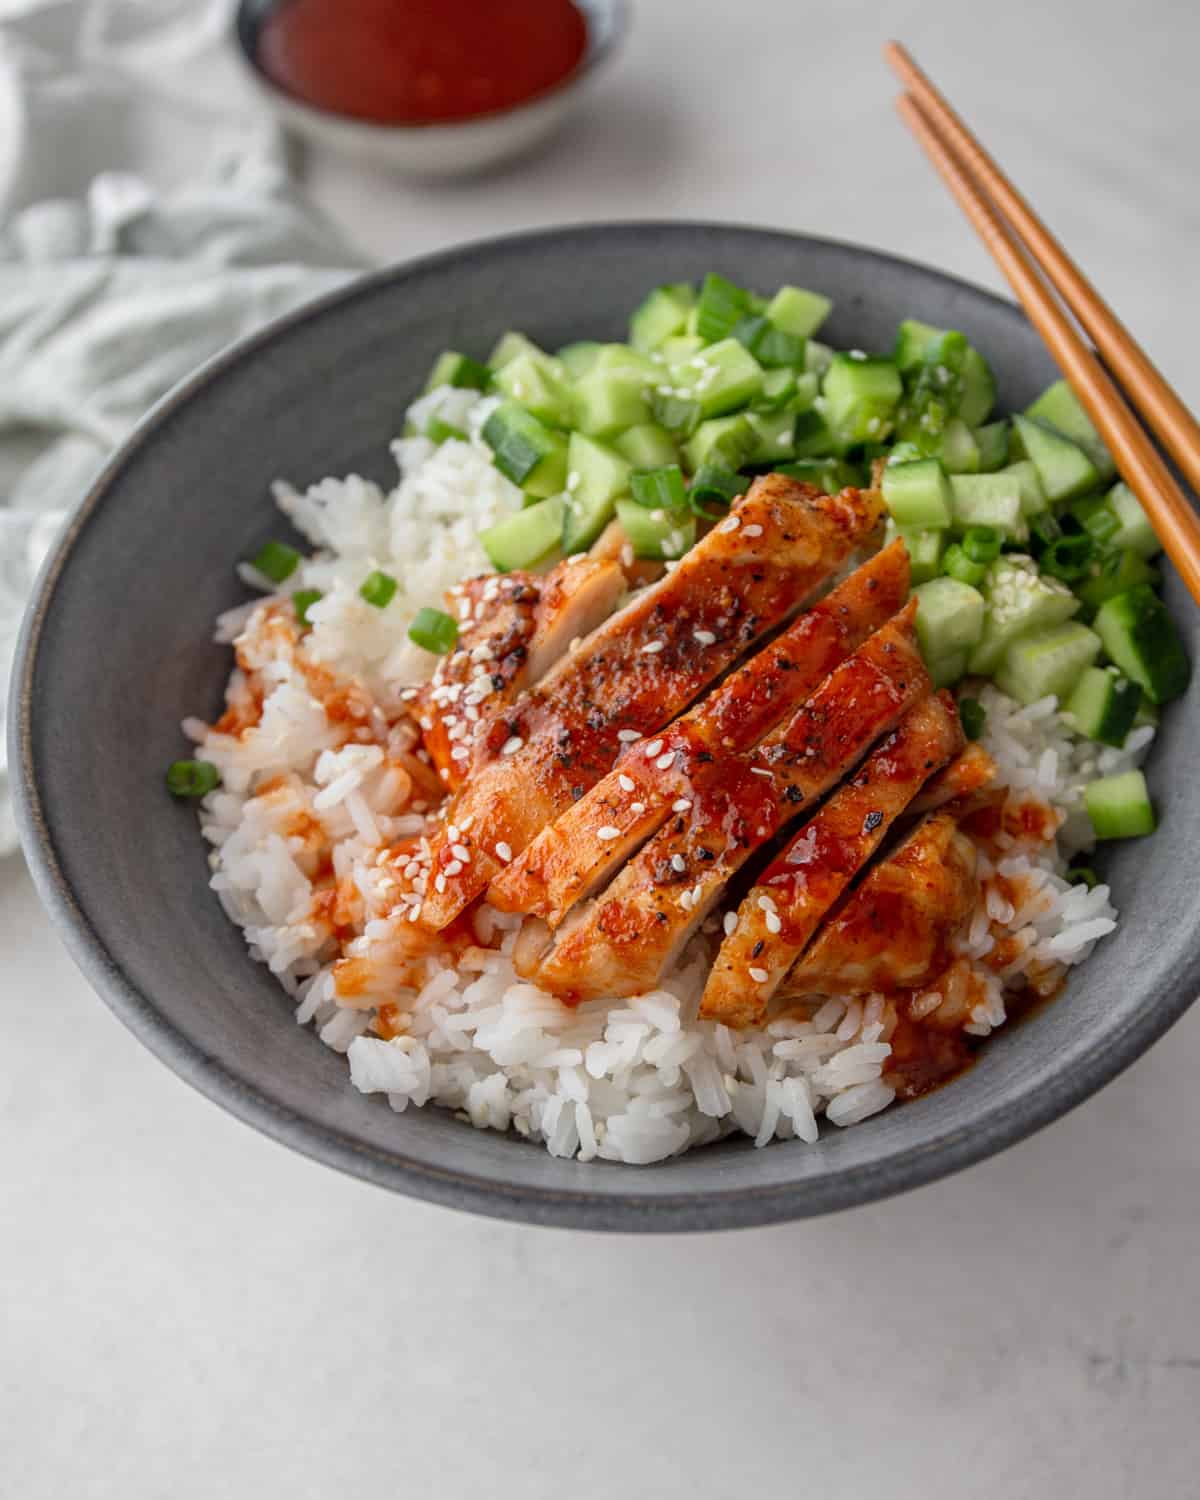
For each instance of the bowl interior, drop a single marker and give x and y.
(117, 650)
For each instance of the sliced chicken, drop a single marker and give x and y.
(575, 855)
(962, 782)
(893, 932)
(623, 941)
(637, 671)
(513, 627)
(776, 920)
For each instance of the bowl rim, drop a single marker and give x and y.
(597, 50)
(943, 1154)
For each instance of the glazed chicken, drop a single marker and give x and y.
(779, 916)
(624, 940)
(636, 672)
(893, 932)
(578, 853)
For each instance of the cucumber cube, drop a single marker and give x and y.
(663, 314)
(945, 671)
(452, 368)
(949, 617)
(578, 358)
(1104, 705)
(924, 551)
(918, 494)
(721, 378)
(678, 350)
(913, 339)
(1113, 574)
(532, 380)
(1135, 531)
(1029, 486)
(812, 437)
(1063, 467)
(989, 500)
(796, 311)
(647, 446)
(524, 449)
(596, 475)
(992, 442)
(727, 441)
(1019, 600)
(527, 538)
(509, 346)
(1058, 407)
(774, 436)
(659, 534)
(1141, 638)
(608, 401)
(861, 397)
(1120, 806)
(1049, 662)
(960, 451)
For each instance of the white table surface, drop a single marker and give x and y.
(189, 1310)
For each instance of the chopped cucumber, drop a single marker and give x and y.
(989, 500)
(525, 450)
(526, 538)
(1019, 600)
(1135, 531)
(452, 368)
(1058, 407)
(647, 446)
(728, 441)
(596, 475)
(675, 351)
(509, 346)
(978, 386)
(1112, 573)
(949, 617)
(680, 415)
(720, 307)
(723, 378)
(812, 437)
(622, 359)
(534, 381)
(777, 392)
(945, 671)
(660, 534)
(829, 475)
(1120, 806)
(608, 401)
(918, 494)
(578, 358)
(1063, 467)
(861, 397)
(794, 310)
(959, 450)
(956, 564)
(774, 349)
(1049, 662)
(817, 358)
(1141, 638)
(992, 442)
(1104, 705)
(775, 434)
(924, 551)
(660, 489)
(1029, 487)
(663, 314)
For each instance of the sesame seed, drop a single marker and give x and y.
(760, 770)
(608, 832)
(730, 523)
(576, 642)
(637, 808)
(576, 557)
(682, 805)
(511, 746)
(664, 762)
(460, 851)
(628, 736)
(573, 480)
(626, 783)
(452, 832)
(773, 922)
(460, 752)
(503, 852)
(704, 637)
(653, 748)
(409, 694)
(753, 530)
(765, 903)
(678, 863)
(439, 884)
(627, 555)
(730, 923)
(697, 892)
(414, 913)
(759, 976)
(454, 867)
(685, 900)
(652, 648)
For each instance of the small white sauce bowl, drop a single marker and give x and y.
(441, 149)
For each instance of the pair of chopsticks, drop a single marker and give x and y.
(1023, 247)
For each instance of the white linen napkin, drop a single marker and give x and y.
(147, 219)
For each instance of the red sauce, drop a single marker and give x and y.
(420, 61)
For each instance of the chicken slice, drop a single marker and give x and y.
(894, 931)
(620, 943)
(513, 627)
(574, 856)
(637, 671)
(961, 783)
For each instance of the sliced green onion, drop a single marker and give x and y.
(276, 560)
(1044, 530)
(774, 349)
(678, 414)
(958, 565)
(714, 485)
(1068, 558)
(192, 778)
(973, 716)
(721, 306)
(981, 543)
(378, 589)
(1083, 875)
(659, 489)
(302, 601)
(438, 431)
(434, 631)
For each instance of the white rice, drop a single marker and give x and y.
(633, 1080)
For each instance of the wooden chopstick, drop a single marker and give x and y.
(1166, 414)
(1135, 455)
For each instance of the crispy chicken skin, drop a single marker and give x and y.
(623, 941)
(512, 629)
(778, 917)
(575, 855)
(893, 932)
(636, 672)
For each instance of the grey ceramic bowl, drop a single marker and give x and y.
(116, 650)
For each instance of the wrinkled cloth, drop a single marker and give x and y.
(147, 219)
